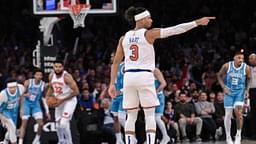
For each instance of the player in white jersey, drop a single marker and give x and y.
(64, 88)
(136, 46)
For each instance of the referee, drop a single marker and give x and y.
(252, 93)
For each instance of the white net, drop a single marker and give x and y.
(78, 14)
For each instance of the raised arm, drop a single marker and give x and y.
(159, 76)
(114, 68)
(157, 33)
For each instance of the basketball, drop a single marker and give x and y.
(52, 101)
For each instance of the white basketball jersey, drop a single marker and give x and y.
(60, 88)
(139, 54)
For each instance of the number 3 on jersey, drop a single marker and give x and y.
(135, 52)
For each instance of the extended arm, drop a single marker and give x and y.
(157, 33)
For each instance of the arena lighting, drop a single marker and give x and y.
(242, 50)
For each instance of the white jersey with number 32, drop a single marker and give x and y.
(60, 88)
(139, 53)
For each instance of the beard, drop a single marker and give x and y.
(182, 101)
(58, 73)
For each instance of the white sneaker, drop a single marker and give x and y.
(119, 141)
(238, 139)
(4, 142)
(229, 140)
(36, 141)
(165, 140)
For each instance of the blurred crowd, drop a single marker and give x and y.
(189, 62)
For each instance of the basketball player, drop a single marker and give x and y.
(234, 78)
(9, 105)
(137, 48)
(31, 105)
(64, 88)
(117, 104)
(160, 84)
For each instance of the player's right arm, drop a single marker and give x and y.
(221, 75)
(46, 107)
(50, 88)
(3, 98)
(114, 68)
(159, 33)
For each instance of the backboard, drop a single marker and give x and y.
(60, 7)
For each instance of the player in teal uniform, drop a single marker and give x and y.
(9, 105)
(235, 78)
(117, 105)
(31, 105)
(160, 84)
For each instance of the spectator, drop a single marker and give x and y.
(168, 118)
(219, 114)
(108, 122)
(205, 110)
(212, 97)
(194, 96)
(185, 114)
(87, 102)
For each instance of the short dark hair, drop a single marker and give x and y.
(11, 80)
(239, 53)
(37, 70)
(131, 12)
(182, 92)
(58, 61)
(203, 91)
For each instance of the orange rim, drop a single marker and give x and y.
(77, 8)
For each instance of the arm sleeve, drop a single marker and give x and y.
(178, 29)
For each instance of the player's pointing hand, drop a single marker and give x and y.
(204, 21)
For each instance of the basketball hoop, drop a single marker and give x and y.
(78, 13)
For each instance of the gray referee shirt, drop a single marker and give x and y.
(253, 70)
